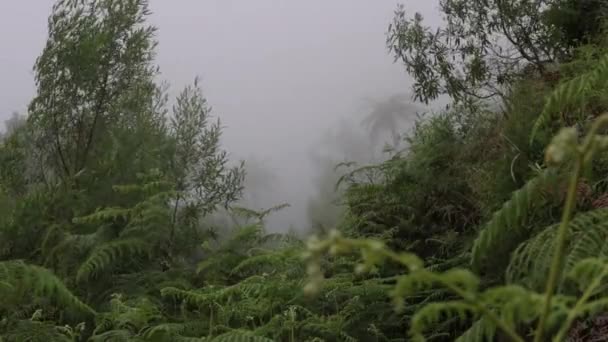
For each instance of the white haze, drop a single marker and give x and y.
(279, 74)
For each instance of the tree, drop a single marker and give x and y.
(124, 187)
(484, 45)
(95, 73)
(578, 21)
(198, 166)
(387, 115)
(343, 144)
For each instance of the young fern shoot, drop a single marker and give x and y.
(563, 148)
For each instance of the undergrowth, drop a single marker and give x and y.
(489, 225)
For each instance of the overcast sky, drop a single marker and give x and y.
(277, 72)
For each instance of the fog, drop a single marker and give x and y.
(289, 79)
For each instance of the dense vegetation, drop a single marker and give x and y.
(490, 225)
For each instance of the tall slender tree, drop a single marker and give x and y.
(95, 73)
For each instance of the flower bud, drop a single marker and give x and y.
(361, 268)
(311, 288)
(334, 234)
(562, 146)
(376, 245)
(313, 269)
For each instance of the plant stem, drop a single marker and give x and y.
(556, 263)
(583, 154)
(210, 334)
(573, 313)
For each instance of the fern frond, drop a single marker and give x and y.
(574, 93)
(589, 230)
(187, 339)
(175, 332)
(566, 95)
(103, 324)
(346, 337)
(244, 236)
(245, 212)
(52, 234)
(586, 271)
(240, 336)
(34, 331)
(70, 243)
(595, 307)
(277, 238)
(40, 282)
(261, 214)
(276, 261)
(117, 335)
(413, 283)
(148, 188)
(6, 285)
(192, 297)
(108, 255)
(530, 261)
(126, 319)
(103, 215)
(275, 209)
(431, 314)
(165, 329)
(507, 306)
(481, 331)
(514, 303)
(506, 228)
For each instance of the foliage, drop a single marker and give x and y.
(106, 195)
(484, 46)
(95, 72)
(387, 116)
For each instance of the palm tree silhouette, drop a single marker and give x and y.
(387, 115)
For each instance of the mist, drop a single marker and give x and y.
(291, 81)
